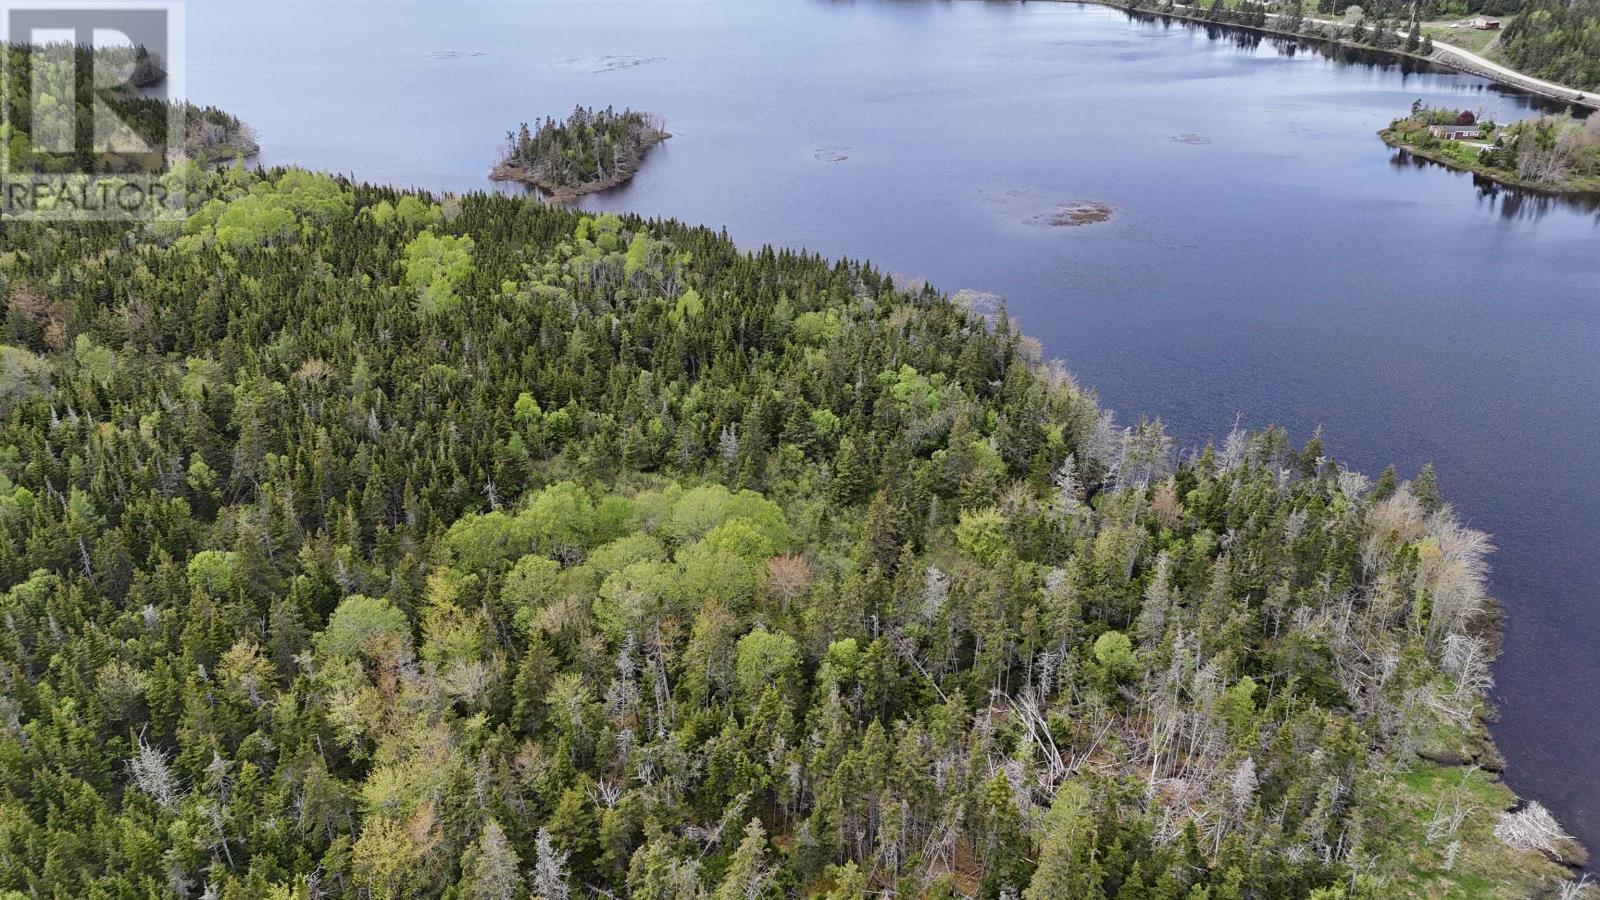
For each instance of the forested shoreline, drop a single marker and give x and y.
(370, 544)
(204, 134)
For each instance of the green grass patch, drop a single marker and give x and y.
(1407, 804)
(1470, 39)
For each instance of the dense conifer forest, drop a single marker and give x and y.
(367, 544)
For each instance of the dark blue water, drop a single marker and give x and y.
(1268, 257)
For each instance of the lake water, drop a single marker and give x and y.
(1268, 258)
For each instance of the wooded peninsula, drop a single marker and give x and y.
(368, 543)
(590, 151)
(1556, 154)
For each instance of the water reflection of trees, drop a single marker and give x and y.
(1250, 39)
(1345, 54)
(1509, 201)
(1521, 203)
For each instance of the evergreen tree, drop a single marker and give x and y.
(490, 868)
(748, 876)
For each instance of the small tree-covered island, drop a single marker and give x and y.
(1550, 153)
(590, 151)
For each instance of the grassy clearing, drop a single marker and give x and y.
(1470, 39)
(1424, 810)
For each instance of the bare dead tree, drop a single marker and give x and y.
(549, 869)
(152, 775)
(1531, 828)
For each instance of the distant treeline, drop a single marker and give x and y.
(1426, 9)
(1381, 33)
(139, 140)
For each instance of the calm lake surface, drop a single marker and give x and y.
(1268, 259)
